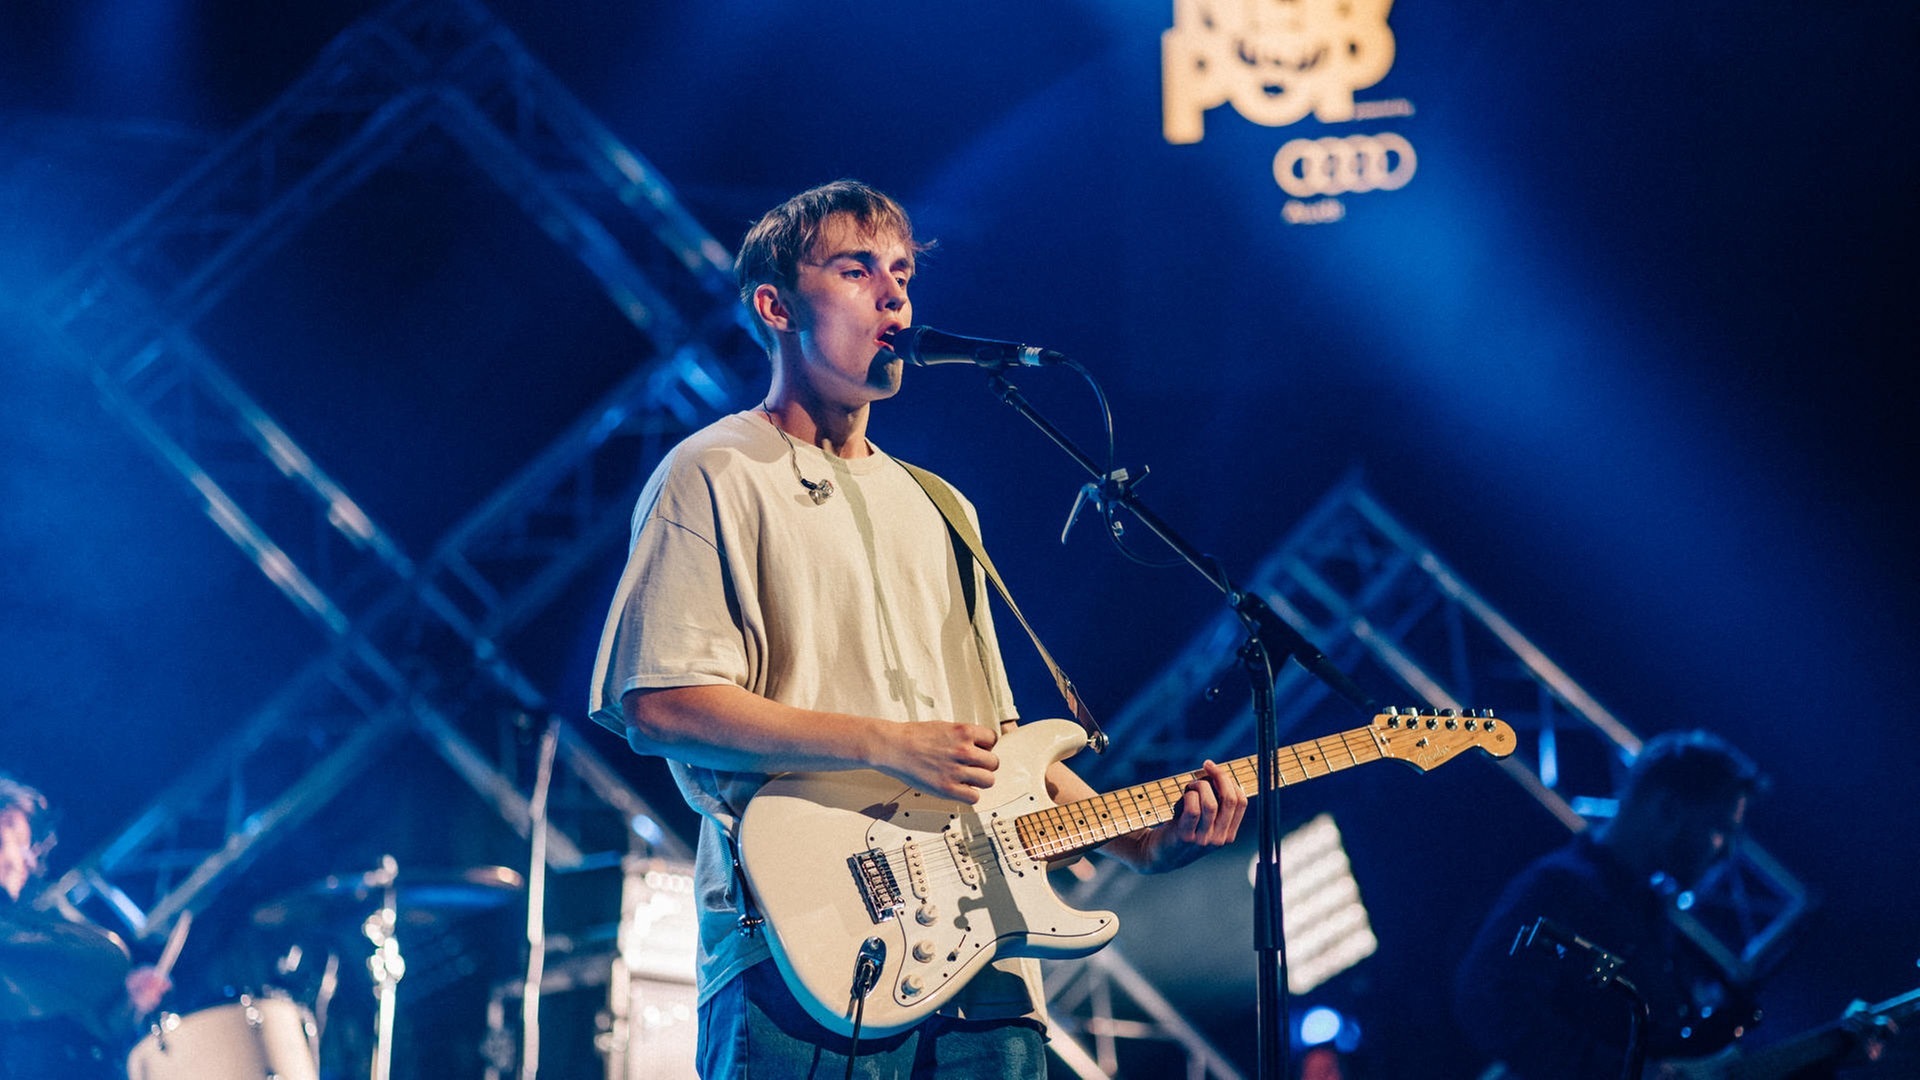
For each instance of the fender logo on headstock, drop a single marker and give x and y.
(1427, 738)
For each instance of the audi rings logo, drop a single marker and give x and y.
(1341, 165)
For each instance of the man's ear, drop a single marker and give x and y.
(771, 308)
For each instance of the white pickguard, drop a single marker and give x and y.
(965, 892)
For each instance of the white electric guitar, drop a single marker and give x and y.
(856, 873)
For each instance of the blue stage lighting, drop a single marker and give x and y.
(1319, 1025)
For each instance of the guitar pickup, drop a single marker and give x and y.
(874, 878)
(963, 858)
(1012, 852)
(916, 870)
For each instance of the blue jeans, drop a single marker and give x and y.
(753, 1029)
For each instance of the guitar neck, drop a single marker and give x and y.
(1062, 831)
(1822, 1046)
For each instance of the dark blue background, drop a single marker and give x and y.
(1630, 351)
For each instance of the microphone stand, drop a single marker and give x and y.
(1270, 641)
(1603, 970)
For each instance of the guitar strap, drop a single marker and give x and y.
(967, 550)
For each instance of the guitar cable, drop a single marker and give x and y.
(866, 974)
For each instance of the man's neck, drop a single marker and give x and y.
(839, 431)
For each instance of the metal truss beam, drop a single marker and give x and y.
(1082, 999)
(1385, 607)
(124, 316)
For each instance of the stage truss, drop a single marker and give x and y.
(125, 317)
(1349, 576)
(1384, 606)
(419, 73)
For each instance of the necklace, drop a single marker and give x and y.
(817, 490)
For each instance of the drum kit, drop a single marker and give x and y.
(274, 1032)
(254, 1037)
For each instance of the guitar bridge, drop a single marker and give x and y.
(874, 878)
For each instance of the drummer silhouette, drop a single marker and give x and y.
(70, 999)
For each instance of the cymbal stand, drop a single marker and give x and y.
(323, 997)
(385, 965)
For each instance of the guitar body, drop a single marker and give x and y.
(855, 870)
(837, 860)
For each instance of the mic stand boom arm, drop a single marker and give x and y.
(1278, 636)
(1270, 640)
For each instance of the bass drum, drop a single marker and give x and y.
(251, 1038)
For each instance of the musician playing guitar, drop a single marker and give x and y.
(1615, 887)
(792, 602)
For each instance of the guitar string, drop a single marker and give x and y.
(1075, 830)
(980, 848)
(1360, 746)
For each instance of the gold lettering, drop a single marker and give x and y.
(1274, 60)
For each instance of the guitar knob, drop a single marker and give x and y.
(926, 914)
(923, 950)
(911, 986)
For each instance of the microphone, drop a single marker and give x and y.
(923, 346)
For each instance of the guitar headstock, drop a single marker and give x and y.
(1425, 738)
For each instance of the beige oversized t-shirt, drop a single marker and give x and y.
(852, 605)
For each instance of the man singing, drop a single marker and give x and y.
(792, 602)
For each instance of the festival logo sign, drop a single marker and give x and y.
(1277, 62)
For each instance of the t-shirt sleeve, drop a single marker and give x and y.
(675, 618)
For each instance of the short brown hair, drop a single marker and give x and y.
(773, 248)
(1697, 767)
(15, 795)
(32, 805)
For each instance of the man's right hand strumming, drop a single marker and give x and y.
(953, 761)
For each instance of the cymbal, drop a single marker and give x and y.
(419, 895)
(59, 967)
